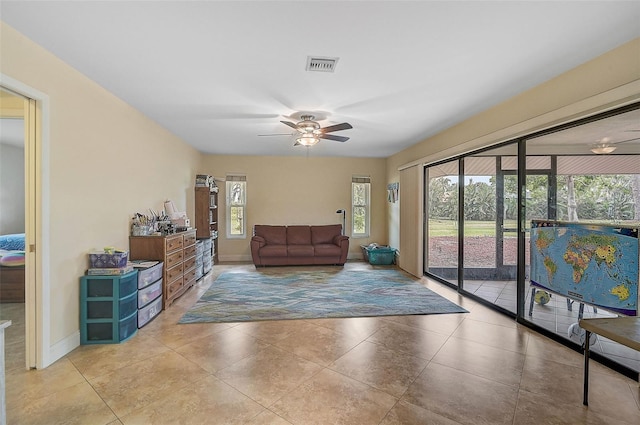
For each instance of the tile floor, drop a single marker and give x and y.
(555, 316)
(475, 368)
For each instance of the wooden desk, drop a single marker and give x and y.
(623, 330)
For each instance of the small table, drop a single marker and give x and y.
(623, 330)
(3, 403)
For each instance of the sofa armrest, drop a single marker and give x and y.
(338, 239)
(257, 242)
(260, 240)
(343, 242)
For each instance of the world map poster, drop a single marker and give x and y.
(591, 263)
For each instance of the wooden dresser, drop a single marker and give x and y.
(178, 252)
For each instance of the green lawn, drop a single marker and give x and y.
(471, 228)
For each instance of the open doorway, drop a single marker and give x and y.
(13, 226)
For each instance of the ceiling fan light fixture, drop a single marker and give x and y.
(307, 140)
(308, 125)
(603, 149)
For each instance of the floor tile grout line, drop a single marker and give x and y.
(147, 406)
(97, 393)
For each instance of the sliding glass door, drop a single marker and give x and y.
(490, 217)
(442, 206)
(586, 172)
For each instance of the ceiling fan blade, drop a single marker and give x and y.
(297, 144)
(277, 134)
(336, 127)
(334, 138)
(290, 124)
(625, 141)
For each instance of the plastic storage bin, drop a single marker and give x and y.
(380, 255)
(149, 275)
(150, 293)
(149, 312)
(108, 308)
(128, 327)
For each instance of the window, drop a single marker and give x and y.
(236, 206)
(360, 206)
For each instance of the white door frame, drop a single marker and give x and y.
(37, 226)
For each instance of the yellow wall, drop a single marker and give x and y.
(572, 95)
(298, 190)
(106, 162)
(605, 82)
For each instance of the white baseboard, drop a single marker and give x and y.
(248, 259)
(235, 258)
(62, 348)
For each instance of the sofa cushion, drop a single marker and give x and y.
(327, 250)
(273, 251)
(300, 251)
(324, 234)
(298, 235)
(273, 235)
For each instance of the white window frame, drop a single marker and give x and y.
(366, 180)
(230, 181)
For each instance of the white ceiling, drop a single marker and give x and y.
(218, 74)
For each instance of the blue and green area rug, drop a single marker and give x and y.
(281, 294)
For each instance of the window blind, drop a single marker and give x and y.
(236, 178)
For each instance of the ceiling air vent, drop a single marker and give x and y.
(321, 64)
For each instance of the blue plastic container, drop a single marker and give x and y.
(379, 256)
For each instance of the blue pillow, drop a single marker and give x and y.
(13, 242)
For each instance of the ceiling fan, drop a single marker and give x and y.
(310, 132)
(605, 145)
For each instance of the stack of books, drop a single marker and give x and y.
(110, 271)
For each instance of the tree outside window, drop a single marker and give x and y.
(236, 206)
(360, 200)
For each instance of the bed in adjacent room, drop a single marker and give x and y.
(12, 281)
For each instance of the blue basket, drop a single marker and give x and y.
(380, 256)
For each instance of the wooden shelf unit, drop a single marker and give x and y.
(206, 216)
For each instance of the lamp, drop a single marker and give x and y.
(307, 139)
(344, 219)
(602, 149)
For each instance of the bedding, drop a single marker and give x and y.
(11, 258)
(13, 242)
(12, 261)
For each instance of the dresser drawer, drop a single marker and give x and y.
(174, 259)
(190, 276)
(174, 273)
(189, 263)
(190, 239)
(173, 243)
(190, 251)
(174, 288)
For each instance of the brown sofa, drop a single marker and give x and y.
(298, 245)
